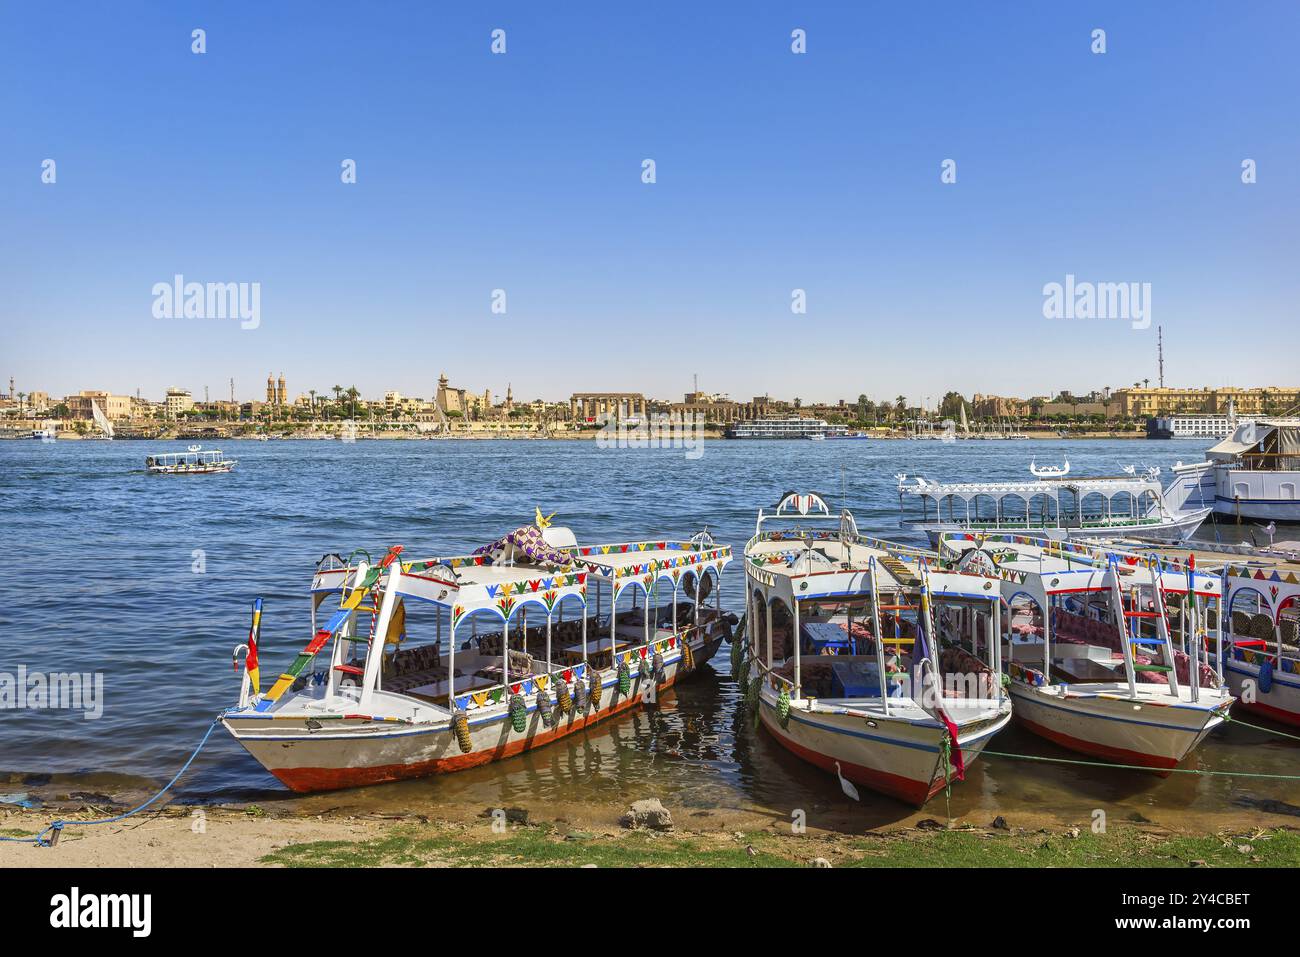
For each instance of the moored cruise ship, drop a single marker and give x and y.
(1257, 471)
(779, 427)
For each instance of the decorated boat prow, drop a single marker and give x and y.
(426, 667)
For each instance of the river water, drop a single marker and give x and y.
(147, 580)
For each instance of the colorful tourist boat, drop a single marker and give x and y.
(527, 640)
(196, 460)
(1094, 660)
(1261, 656)
(863, 660)
(1058, 506)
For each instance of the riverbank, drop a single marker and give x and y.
(179, 836)
(664, 438)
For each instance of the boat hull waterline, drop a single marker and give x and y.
(362, 752)
(900, 759)
(1116, 729)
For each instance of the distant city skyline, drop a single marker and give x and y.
(782, 180)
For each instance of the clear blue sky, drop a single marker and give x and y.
(523, 172)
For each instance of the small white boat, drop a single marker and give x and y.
(532, 638)
(1049, 471)
(1092, 660)
(194, 461)
(1054, 506)
(842, 655)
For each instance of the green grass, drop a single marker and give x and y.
(1122, 847)
(540, 846)
(523, 847)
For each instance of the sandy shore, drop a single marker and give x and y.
(233, 836)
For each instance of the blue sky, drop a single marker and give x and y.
(522, 172)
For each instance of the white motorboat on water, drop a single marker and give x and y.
(528, 640)
(1056, 505)
(1094, 661)
(861, 659)
(196, 460)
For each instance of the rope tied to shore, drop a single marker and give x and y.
(1141, 767)
(56, 827)
(1257, 727)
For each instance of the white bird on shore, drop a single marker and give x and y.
(846, 784)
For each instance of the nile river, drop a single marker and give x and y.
(148, 580)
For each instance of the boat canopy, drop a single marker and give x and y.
(1267, 436)
(1044, 567)
(473, 583)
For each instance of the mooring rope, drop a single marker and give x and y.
(1142, 767)
(40, 840)
(1258, 727)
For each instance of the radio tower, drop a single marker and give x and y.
(1160, 353)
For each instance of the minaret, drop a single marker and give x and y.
(281, 392)
(270, 389)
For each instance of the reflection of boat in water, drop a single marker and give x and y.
(843, 637)
(1093, 659)
(532, 639)
(1054, 506)
(195, 461)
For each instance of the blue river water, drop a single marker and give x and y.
(148, 580)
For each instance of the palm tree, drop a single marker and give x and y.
(312, 393)
(353, 394)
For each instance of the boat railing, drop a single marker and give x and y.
(530, 685)
(1267, 461)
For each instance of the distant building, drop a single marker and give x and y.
(1139, 402)
(277, 393)
(81, 406)
(592, 406)
(998, 407)
(721, 409)
(467, 403)
(177, 401)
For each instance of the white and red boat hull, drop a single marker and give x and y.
(1149, 732)
(359, 750)
(899, 757)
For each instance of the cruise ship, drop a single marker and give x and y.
(782, 427)
(1191, 426)
(1257, 471)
